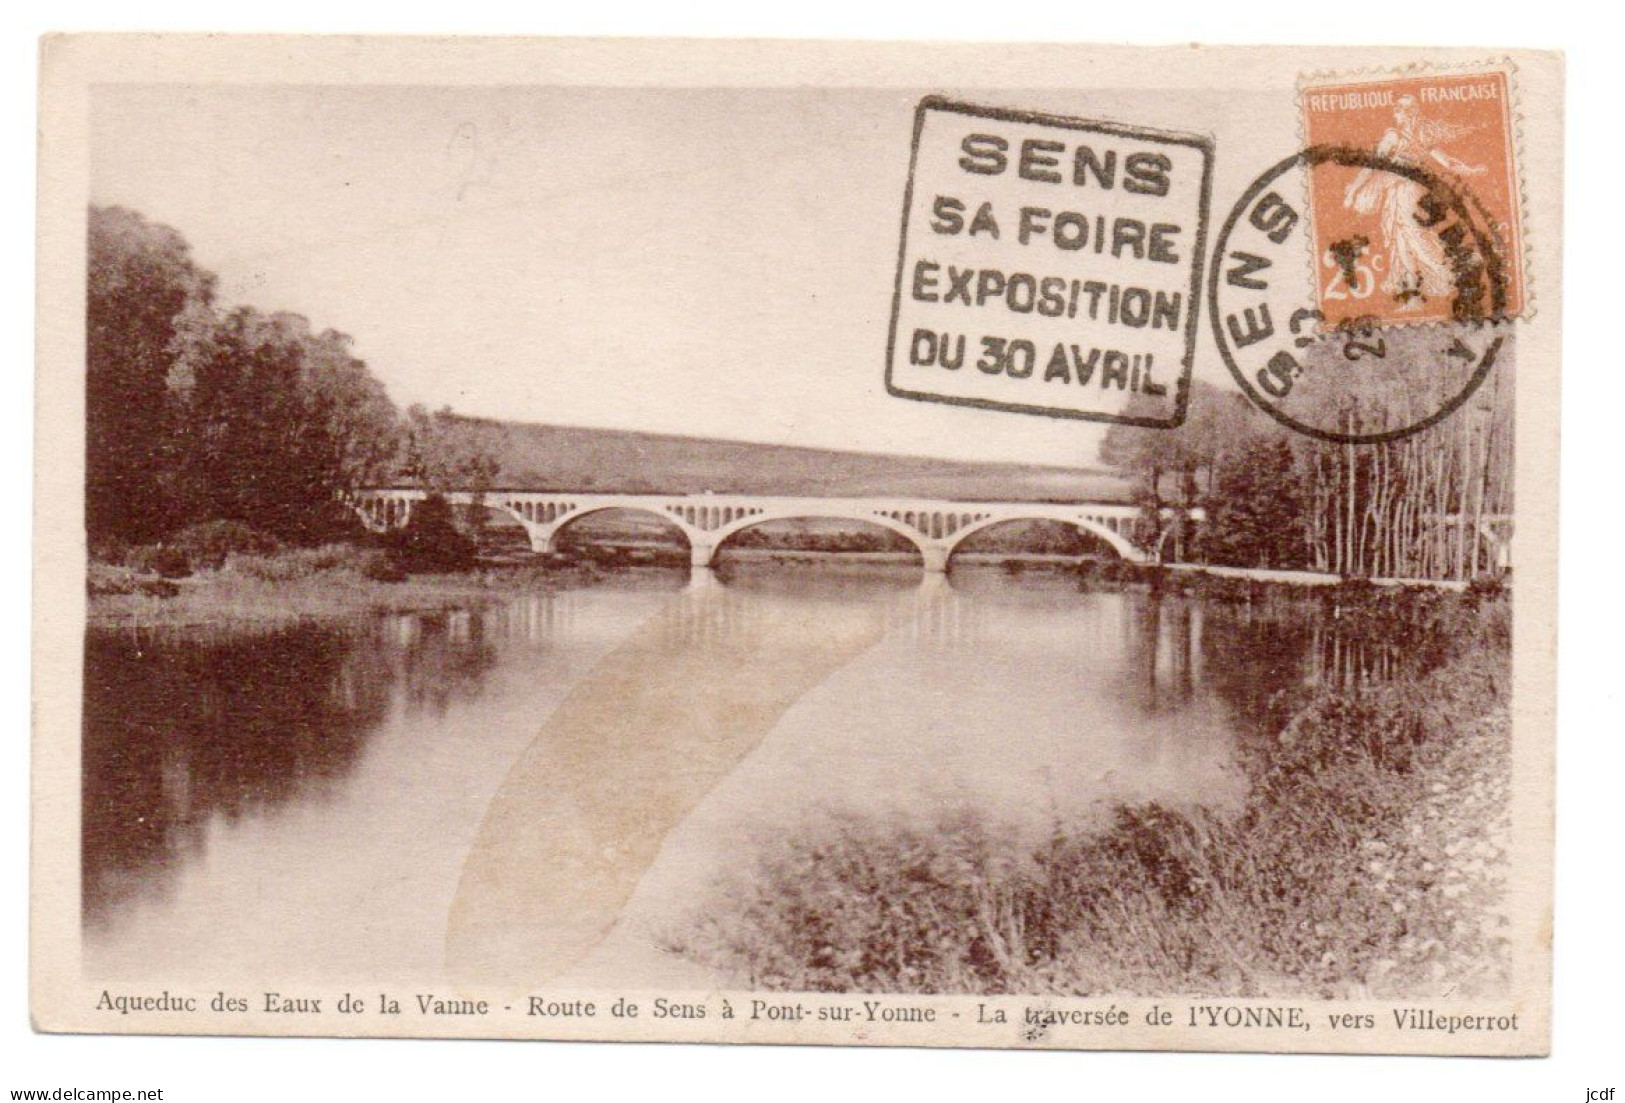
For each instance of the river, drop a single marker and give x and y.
(544, 790)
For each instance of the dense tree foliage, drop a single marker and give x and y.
(1176, 467)
(431, 539)
(1256, 514)
(194, 416)
(1432, 504)
(446, 452)
(146, 298)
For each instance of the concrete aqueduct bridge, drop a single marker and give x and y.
(934, 526)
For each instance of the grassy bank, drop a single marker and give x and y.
(334, 581)
(1366, 860)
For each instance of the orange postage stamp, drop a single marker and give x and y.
(1415, 209)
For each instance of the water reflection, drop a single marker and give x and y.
(417, 793)
(180, 730)
(1344, 660)
(1162, 639)
(646, 735)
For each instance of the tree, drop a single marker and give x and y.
(1430, 504)
(431, 540)
(195, 417)
(448, 452)
(1258, 510)
(1427, 504)
(356, 418)
(247, 438)
(1170, 463)
(1147, 455)
(146, 300)
(277, 423)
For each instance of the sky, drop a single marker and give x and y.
(702, 262)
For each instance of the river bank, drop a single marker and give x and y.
(342, 581)
(335, 582)
(1366, 861)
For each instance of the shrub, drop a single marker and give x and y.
(1145, 574)
(431, 540)
(1318, 884)
(207, 545)
(382, 568)
(171, 562)
(331, 522)
(295, 563)
(141, 558)
(110, 550)
(106, 580)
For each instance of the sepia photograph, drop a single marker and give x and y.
(670, 548)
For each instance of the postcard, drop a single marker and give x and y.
(1009, 546)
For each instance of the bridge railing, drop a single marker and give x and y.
(935, 526)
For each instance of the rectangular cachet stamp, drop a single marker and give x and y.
(1049, 265)
(1418, 197)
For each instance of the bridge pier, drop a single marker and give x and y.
(935, 558)
(700, 552)
(541, 538)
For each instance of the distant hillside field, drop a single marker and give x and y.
(551, 457)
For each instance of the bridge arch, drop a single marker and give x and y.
(487, 502)
(1120, 544)
(667, 521)
(717, 537)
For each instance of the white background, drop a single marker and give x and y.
(1587, 1044)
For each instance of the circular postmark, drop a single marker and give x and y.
(1393, 324)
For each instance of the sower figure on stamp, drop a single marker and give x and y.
(1417, 267)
